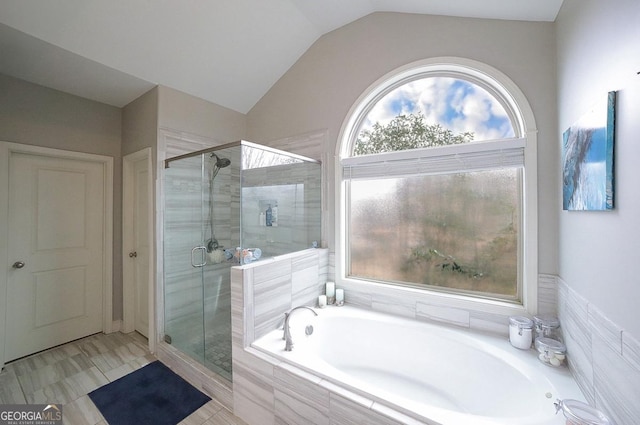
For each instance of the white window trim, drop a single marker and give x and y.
(521, 114)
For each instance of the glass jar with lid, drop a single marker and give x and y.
(579, 413)
(520, 332)
(547, 326)
(551, 352)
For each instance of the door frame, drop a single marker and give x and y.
(128, 270)
(6, 150)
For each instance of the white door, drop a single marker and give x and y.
(56, 231)
(137, 241)
(141, 241)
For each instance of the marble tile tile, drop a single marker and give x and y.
(453, 316)
(268, 271)
(203, 414)
(358, 298)
(247, 409)
(249, 385)
(294, 411)
(346, 412)
(608, 331)
(60, 392)
(86, 381)
(575, 322)
(401, 306)
(270, 300)
(224, 417)
(218, 392)
(304, 286)
(243, 361)
(581, 366)
(81, 411)
(38, 378)
(494, 323)
(399, 417)
(338, 391)
(547, 294)
(10, 391)
(298, 386)
(631, 349)
(118, 356)
(617, 384)
(306, 260)
(129, 367)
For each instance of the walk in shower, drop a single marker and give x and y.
(225, 206)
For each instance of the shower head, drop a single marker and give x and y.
(221, 162)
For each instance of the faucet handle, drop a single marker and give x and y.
(281, 325)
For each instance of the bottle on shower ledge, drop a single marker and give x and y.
(274, 215)
(263, 219)
(268, 216)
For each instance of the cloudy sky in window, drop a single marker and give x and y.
(455, 104)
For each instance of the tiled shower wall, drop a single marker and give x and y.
(603, 357)
(296, 188)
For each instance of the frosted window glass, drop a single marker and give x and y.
(451, 232)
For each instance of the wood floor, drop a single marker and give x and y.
(66, 374)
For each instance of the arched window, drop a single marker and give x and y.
(434, 169)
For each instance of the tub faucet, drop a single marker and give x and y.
(288, 345)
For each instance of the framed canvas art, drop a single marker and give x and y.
(587, 159)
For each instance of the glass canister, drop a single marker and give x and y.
(520, 332)
(579, 413)
(547, 326)
(551, 352)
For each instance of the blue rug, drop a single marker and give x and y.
(152, 395)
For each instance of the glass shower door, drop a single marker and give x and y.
(185, 191)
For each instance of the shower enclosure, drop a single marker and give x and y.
(226, 206)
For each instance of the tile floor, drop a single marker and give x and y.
(66, 374)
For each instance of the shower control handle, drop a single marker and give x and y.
(18, 265)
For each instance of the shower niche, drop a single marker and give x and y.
(225, 206)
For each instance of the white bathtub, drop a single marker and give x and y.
(436, 374)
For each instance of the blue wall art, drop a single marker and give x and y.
(587, 159)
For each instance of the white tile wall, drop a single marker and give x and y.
(603, 358)
(267, 392)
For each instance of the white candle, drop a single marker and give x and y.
(322, 301)
(339, 296)
(330, 290)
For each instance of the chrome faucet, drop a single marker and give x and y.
(288, 345)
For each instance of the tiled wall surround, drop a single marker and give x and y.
(603, 357)
(267, 392)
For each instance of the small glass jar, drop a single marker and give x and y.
(520, 332)
(551, 352)
(547, 326)
(579, 413)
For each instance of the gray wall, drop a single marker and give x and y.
(318, 91)
(599, 51)
(183, 112)
(35, 115)
(140, 123)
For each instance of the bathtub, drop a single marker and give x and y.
(429, 372)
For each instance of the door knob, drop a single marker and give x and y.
(133, 254)
(18, 265)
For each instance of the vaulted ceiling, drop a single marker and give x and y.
(228, 52)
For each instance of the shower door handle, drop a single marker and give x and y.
(203, 249)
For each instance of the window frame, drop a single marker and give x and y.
(517, 108)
